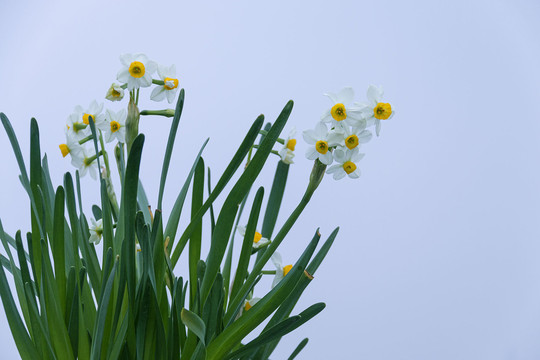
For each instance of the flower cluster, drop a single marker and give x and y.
(343, 128)
(136, 72)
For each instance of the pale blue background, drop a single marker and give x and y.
(438, 256)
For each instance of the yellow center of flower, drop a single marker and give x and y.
(115, 93)
(351, 142)
(349, 167)
(115, 126)
(85, 118)
(286, 269)
(167, 85)
(321, 146)
(382, 111)
(291, 144)
(64, 149)
(139, 249)
(338, 112)
(136, 69)
(257, 237)
(247, 306)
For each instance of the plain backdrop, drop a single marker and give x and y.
(438, 256)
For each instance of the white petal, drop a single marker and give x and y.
(276, 259)
(171, 94)
(158, 93)
(327, 158)
(123, 75)
(333, 169)
(326, 116)
(340, 156)
(374, 93)
(241, 230)
(340, 174)
(332, 97)
(311, 153)
(310, 136)
(378, 126)
(346, 95)
(355, 174)
(321, 131)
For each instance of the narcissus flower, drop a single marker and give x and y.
(93, 110)
(137, 71)
(348, 137)
(248, 304)
(258, 239)
(346, 160)
(96, 230)
(86, 164)
(319, 139)
(115, 93)
(71, 147)
(281, 271)
(75, 127)
(115, 126)
(287, 152)
(375, 110)
(170, 84)
(341, 110)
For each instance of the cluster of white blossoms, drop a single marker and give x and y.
(342, 129)
(136, 72)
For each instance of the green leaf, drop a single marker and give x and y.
(170, 144)
(194, 323)
(228, 212)
(227, 174)
(274, 200)
(196, 235)
(299, 348)
(249, 320)
(247, 244)
(174, 218)
(276, 331)
(22, 340)
(58, 249)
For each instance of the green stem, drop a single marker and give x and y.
(83, 140)
(137, 100)
(268, 272)
(158, 82)
(279, 140)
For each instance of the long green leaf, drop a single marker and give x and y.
(235, 163)
(58, 248)
(249, 320)
(194, 323)
(170, 144)
(196, 235)
(299, 348)
(228, 212)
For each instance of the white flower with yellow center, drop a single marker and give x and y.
(115, 93)
(258, 239)
(170, 84)
(86, 164)
(346, 160)
(375, 109)
(319, 139)
(71, 147)
(287, 152)
(348, 137)
(75, 127)
(94, 110)
(281, 271)
(96, 231)
(115, 126)
(248, 304)
(341, 111)
(137, 71)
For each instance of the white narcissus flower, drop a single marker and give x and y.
(319, 139)
(96, 230)
(346, 137)
(115, 126)
(347, 160)
(375, 110)
(287, 152)
(94, 110)
(248, 304)
(115, 93)
(86, 163)
(71, 147)
(281, 271)
(75, 127)
(137, 71)
(341, 110)
(170, 84)
(258, 239)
